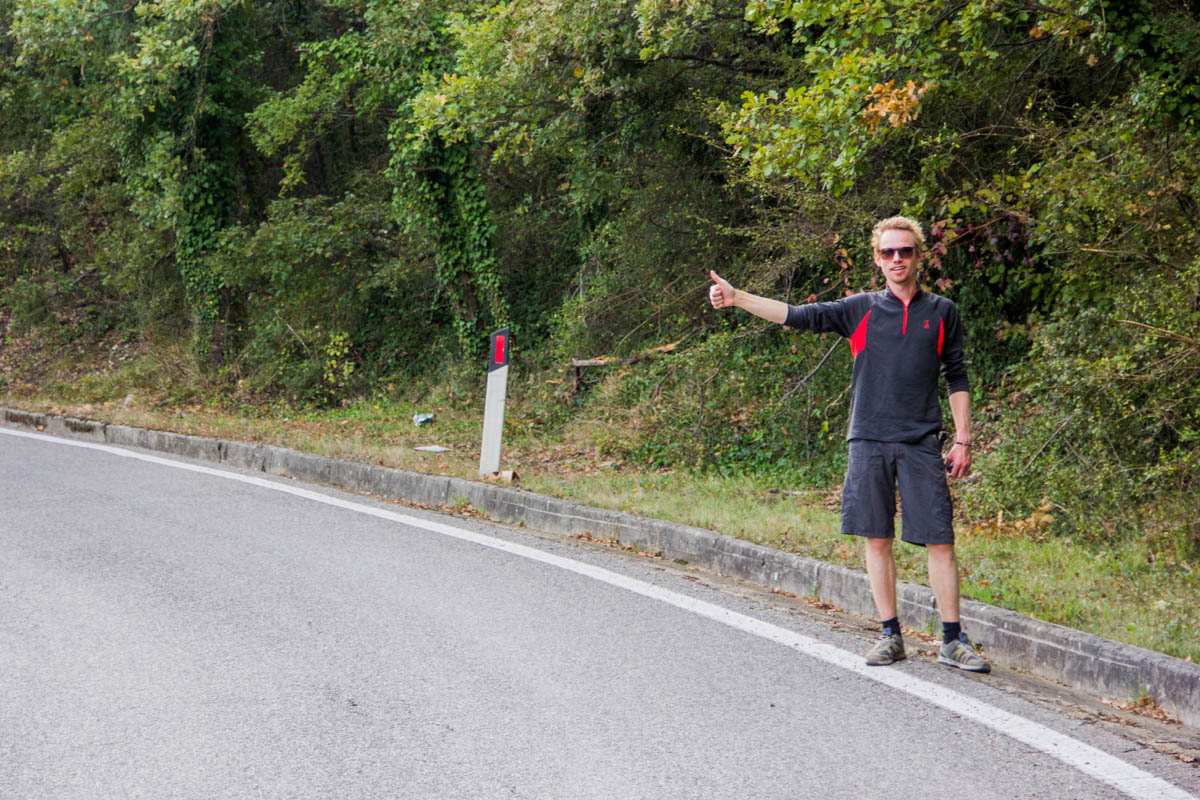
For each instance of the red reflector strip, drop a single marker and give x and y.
(498, 356)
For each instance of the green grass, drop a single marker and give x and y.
(1139, 591)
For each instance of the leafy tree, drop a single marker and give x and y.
(602, 107)
(372, 71)
(142, 103)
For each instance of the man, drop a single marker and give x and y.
(901, 338)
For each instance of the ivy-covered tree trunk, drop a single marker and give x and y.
(448, 199)
(205, 203)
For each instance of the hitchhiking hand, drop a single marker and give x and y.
(720, 294)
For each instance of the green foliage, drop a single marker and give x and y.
(31, 302)
(333, 295)
(632, 289)
(593, 115)
(138, 167)
(441, 194)
(1105, 426)
(356, 69)
(756, 402)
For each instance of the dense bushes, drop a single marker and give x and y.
(1102, 422)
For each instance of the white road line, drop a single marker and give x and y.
(1130, 780)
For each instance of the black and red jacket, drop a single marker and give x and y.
(898, 352)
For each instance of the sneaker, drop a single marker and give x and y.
(960, 653)
(888, 650)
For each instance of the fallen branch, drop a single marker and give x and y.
(580, 364)
(604, 361)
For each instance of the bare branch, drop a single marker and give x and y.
(1163, 331)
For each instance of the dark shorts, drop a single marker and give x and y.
(869, 493)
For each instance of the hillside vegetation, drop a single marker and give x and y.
(303, 204)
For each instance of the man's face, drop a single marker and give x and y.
(897, 257)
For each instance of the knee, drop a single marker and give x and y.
(941, 552)
(880, 546)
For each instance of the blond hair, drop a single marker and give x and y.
(899, 224)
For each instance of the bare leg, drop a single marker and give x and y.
(881, 573)
(943, 578)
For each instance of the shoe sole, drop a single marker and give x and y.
(886, 663)
(951, 663)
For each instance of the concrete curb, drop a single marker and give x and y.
(1081, 660)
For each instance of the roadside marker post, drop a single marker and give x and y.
(493, 409)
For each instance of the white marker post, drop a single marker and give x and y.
(493, 409)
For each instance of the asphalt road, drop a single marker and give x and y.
(176, 631)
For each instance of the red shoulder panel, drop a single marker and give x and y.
(858, 340)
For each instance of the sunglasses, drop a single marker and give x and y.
(905, 252)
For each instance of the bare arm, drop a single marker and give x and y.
(722, 295)
(958, 460)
